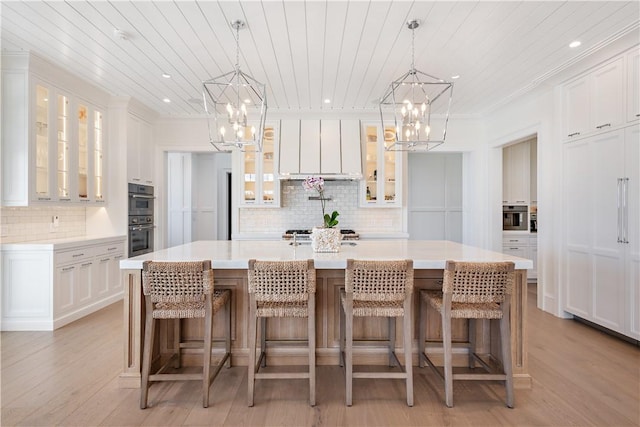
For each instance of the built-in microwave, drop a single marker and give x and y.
(514, 218)
(140, 200)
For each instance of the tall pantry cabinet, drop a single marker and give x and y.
(601, 222)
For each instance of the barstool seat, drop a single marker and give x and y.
(182, 290)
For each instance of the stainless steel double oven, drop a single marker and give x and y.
(141, 200)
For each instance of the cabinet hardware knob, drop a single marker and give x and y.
(603, 126)
(574, 134)
(77, 255)
(637, 115)
(44, 198)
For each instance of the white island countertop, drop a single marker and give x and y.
(235, 254)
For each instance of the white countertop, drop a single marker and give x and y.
(51, 244)
(234, 254)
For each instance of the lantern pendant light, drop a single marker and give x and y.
(409, 105)
(236, 106)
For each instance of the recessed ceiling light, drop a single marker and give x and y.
(575, 43)
(120, 34)
(166, 75)
(167, 100)
(457, 76)
(327, 101)
(247, 101)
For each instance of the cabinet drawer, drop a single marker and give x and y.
(73, 256)
(109, 249)
(515, 241)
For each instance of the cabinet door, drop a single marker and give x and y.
(270, 185)
(44, 154)
(99, 179)
(289, 161)
(147, 153)
(578, 223)
(100, 281)
(64, 289)
(608, 96)
(351, 147)
(83, 290)
(518, 174)
(382, 186)
(607, 165)
(533, 254)
(133, 150)
(114, 280)
(632, 263)
(576, 108)
(82, 177)
(633, 86)
(64, 150)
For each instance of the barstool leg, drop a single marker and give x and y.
(227, 328)
(505, 336)
(408, 356)
(448, 369)
(311, 331)
(392, 340)
(251, 366)
(422, 331)
(263, 340)
(349, 355)
(472, 342)
(149, 329)
(342, 335)
(206, 353)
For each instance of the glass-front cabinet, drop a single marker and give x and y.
(42, 144)
(68, 163)
(382, 185)
(98, 157)
(54, 144)
(259, 182)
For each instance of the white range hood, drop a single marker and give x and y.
(328, 148)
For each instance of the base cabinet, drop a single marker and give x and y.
(46, 286)
(523, 246)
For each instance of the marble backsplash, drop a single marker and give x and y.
(33, 223)
(298, 212)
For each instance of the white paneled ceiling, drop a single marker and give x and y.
(308, 51)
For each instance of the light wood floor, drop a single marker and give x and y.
(69, 377)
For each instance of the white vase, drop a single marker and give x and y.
(325, 239)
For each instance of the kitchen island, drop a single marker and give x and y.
(229, 261)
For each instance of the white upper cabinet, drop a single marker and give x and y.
(608, 96)
(576, 108)
(382, 183)
(260, 187)
(289, 152)
(516, 177)
(330, 152)
(53, 142)
(633, 86)
(139, 151)
(595, 102)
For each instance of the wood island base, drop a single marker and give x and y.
(328, 282)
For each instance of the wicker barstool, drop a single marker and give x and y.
(377, 289)
(281, 289)
(181, 290)
(471, 290)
